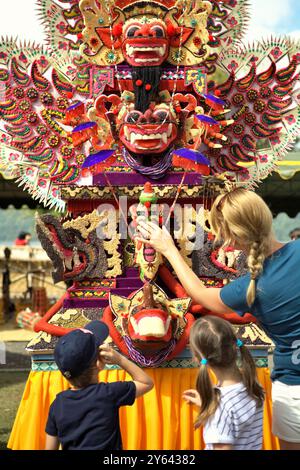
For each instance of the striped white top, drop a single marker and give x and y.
(237, 421)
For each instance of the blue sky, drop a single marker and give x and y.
(268, 16)
(292, 22)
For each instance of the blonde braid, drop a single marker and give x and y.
(257, 255)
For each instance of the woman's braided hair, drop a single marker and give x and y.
(242, 219)
(255, 264)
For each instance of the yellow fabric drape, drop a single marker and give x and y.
(160, 420)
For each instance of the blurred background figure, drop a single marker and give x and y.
(295, 234)
(23, 239)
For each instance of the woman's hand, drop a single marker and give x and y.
(192, 396)
(159, 239)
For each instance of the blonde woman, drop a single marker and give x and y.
(270, 292)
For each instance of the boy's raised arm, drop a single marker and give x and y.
(142, 380)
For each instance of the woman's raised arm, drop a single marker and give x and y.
(161, 241)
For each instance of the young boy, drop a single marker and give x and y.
(86, 417)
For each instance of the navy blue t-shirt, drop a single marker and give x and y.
(88, 419)
(277, 307)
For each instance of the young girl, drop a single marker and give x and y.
(231, 412)
(270, 292)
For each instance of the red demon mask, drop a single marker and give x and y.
(145, 44)
(151, 132)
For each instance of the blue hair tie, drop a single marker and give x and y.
(204, 361)
(239, 343)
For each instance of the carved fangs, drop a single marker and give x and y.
(156, 327)
(131, 50)
(132, 136)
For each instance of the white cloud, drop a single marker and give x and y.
(295, 34)
(19, 18)
(270, 13)
(271, 17)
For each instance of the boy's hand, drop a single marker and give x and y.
(143, 382)
(192, 396)
(109, 355)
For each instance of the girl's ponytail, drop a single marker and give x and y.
(210, 396)
(249, 376)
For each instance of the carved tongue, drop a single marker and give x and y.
(148, 296)
(149, 253)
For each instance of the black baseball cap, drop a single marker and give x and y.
(75, 351)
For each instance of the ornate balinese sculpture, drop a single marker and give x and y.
(146, 257)
(145, 100)
(148, 326)
(73, 246)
